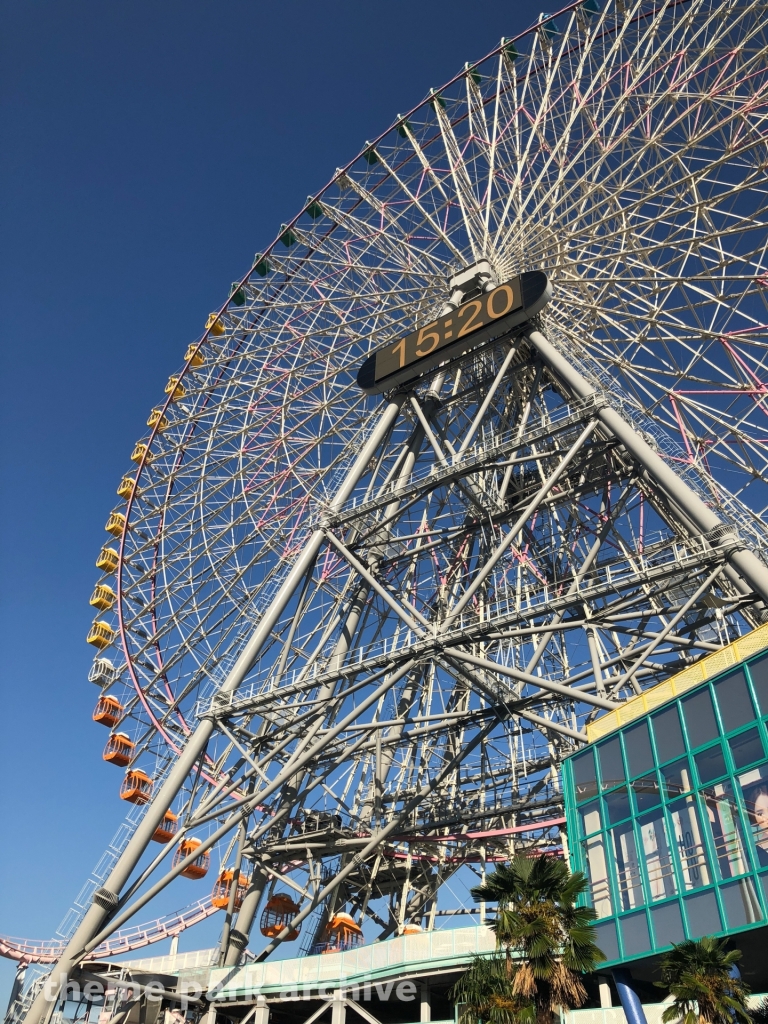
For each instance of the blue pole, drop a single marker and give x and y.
(630, 1001)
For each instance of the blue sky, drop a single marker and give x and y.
(149, 149)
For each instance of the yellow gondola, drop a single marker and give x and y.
(115, 524)
(142, 452)
(175, 389)
(103, 597)
(108, 560)
(214, 325)
(125, 488)
(194, 355)
(158, 420)
(100, 635)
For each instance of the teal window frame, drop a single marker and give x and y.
(697, 794)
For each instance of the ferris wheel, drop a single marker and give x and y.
(475, 450)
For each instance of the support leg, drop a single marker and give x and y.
(238, 936)
(606, 1001)
(745, 562)
(338, 1008)
(630, 1001)
(261, 1013)
(106, 899)
(18, 985)
(425, 1004)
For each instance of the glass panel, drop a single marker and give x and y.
(597, 872)
(710, 764)
(725, 829)
(740, 903)
(611, 766)
(746, 748)
(634, 934)
(758, 672)
(646, 792)
(605, 940)
(754, 786)
(703, 915)
(734, 701)
(617, 805)
(590, 818)
(690, 848)
(584, 776)
(628, 877)
(677, 778)
(657, 856)
(667, 924)
(763, 880)
(637, 747)
(699, 716)
(668, 734)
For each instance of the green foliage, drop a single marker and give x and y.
(548, 943)
(760, 1013)
(697, 973)
(484, 994)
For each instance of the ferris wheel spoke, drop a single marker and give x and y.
(623, 152)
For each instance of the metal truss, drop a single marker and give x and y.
(364, 633)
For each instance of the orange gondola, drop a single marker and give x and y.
(342, 933)
(167, 828)
(136, 787)
(119, 750)
(223, 887)
(279, 912)
(199, 867)
(108, 711)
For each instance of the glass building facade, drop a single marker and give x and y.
(668, 817)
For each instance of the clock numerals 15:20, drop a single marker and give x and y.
(463, 321)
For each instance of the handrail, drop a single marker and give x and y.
(48, 951)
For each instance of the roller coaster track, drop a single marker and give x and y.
(48, 951)
(34, 951)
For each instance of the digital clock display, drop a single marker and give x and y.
(511, 302)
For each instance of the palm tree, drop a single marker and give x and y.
(544, 942)
(485, 994)
(697, 973)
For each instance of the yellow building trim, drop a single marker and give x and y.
(705, 668)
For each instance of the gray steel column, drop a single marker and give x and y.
(745, 562)
(425, 1003)
(105, 900)
(238, 936)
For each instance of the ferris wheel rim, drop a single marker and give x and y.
(177, 617)
(496, 51)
